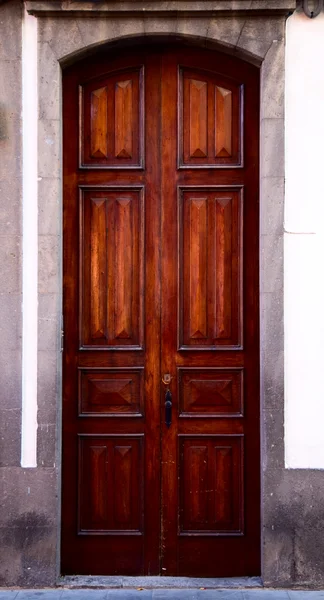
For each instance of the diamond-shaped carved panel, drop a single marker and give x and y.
(111, 392)
(213, 392)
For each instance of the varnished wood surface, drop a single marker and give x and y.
(161, 276)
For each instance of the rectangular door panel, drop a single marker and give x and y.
(112, 121)
(209, 392)
(211, 485)
(210, 268)
(111, 392)
(111, 267)
(111, 485)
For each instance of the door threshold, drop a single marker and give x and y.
(155, 582)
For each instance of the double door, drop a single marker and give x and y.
(161, 357)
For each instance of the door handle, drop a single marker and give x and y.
(168, 408)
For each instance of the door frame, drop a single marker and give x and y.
(269, 55)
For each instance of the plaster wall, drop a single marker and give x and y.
(304, 242)
(293, 519)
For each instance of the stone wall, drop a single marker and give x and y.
(293, 525)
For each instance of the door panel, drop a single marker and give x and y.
(112, 120)
(210, 474)
(160, 305)
(111, 267)
(210, 258)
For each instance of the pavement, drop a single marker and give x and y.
(160, 594)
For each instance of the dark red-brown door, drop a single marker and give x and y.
(161, 282)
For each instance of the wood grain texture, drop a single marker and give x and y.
(98, 123)
(211, 492)
(210, 119)
(123, 119)
(198, 118)
(111, 484)
(111, 267)
(210, 392)
(223, 122)
(210, 278)
(111, 392)
(111, 126)
(161, 277)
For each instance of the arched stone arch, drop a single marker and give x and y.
(65, 37)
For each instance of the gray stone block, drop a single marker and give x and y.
(11, 320)
(10, 260)
(40, 595)
(49, 139)
(272, 206)
(10, 30)
(265, 595)
(10, 128)
(49, 206)
(271, 264)
(10, 428)
(10, 206)
(10, 88)
(272, 423)
(49, 79)
(273, 82)
(29, 497)
(10, 378)
(197, 28)
(49, 366)
(225, 30)
(48, 264)
(272, 376)
(176, 594)
(46, 445)
(49, 311)
(84, 594)
(66, 37)
(272, 157)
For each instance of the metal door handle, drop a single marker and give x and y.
(168, 408)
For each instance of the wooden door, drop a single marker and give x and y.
(161, 283)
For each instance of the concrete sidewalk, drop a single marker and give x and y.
(160, 594)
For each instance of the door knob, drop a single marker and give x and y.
(166, 379)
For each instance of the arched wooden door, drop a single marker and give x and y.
(161, 308)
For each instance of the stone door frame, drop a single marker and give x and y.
(252, 30)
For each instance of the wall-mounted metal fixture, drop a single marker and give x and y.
(312, 13)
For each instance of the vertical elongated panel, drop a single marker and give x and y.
(122, 485)
(98, 123)
(123, 266)
(97, 469)
(110, 484)
(223, 122)
(197, 491)
(197, 268)
(111, 268)
(210, 120)
(223, 267)
(211, 484)
(112, 120)
(223, 498)
(123, 119)
(210, 260)
(98, 267)
(198, 118)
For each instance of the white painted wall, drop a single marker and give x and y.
(304, 243)
(30, 246)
